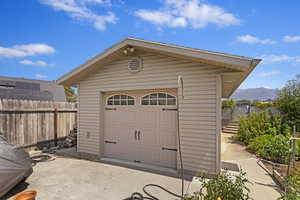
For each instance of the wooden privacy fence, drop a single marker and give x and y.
(28, 123)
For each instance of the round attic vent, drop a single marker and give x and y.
(135, 65)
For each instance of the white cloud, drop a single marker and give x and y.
(36, 63)
(161, 18)
(40, 76)
(271, 73)
(268, 41)
(78, 10)
(291, 39)
(269, 59)
(250, 39)
(25, 50)
(183, 13)
(247, 39)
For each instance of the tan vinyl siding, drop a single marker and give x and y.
(197, 111)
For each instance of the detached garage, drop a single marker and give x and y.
(136, 95)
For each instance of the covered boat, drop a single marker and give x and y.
(15, 166)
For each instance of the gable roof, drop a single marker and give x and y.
(241, 66)
(29, 89)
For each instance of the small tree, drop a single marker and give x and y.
(288, 101)
(70, 94)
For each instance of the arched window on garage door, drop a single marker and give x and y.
(159, 99)
(120, 100)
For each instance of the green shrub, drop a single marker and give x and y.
(293, 193)
(298, 147)
(257, 124)
(228, 104)
(243, 102)
(258, 143)
(263, 105)
(224, 186)
(288, 101)
(271, 147)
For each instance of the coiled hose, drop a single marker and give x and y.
(139, 196)
(41, 157)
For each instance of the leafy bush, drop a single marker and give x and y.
(228, 104)
(271, 147)
(298, 148)
(257, 124)
(293, 193)
(263, 105)
(243, 102)
(288, 101)
(224, 186)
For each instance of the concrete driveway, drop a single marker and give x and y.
(75, 179)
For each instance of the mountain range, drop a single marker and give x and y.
(260, 94)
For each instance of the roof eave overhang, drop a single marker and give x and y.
(242, 76)
(68, 78)
(235, 63)
(230, 63)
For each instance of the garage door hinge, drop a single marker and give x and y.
(173, 109)
(110, 142)
(110, 108)
(169, 149)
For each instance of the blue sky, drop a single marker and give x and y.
(43, 39)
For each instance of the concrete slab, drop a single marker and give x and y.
(262, 185)
(75, 179)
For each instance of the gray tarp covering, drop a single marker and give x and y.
(15, 165)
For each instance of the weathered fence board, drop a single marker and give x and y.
(28, 123)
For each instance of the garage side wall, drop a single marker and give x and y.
(198, 110)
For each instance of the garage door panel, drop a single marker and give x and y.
(147, 118)
(168, 116)
(126, 134)
(149, 155)
(168, 120)
(168, 158)
(128, 152)
(148, 137)
(168, 128)
(112, 150)
(168, 140)
(113, 133)
(120, 117)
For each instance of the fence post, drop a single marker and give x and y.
(294, 147)
(292, 157)
(55, 126)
